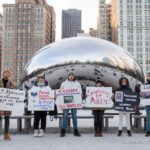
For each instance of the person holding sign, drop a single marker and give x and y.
(124, 87)
(98, 115)
(70, 83)
(39, 85)
(6, 83)
(148, 111)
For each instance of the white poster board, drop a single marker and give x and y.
(42, 100)
(68, 98)
(12, 100)
(145, 95)
(99, 97)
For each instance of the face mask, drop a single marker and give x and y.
(41, 84)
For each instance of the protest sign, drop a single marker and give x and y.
(125, 101)
(145, 95)
(99, 97)
(41, 100)
(12, 100)
(68, 98)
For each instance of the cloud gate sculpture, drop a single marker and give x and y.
(89, 58)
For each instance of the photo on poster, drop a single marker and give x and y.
(119, 96)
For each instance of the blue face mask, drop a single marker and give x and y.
(41, 84)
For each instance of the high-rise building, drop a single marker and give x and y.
(104, 20)
(71, 23)
(93, 32)
(131, 29)
(28, 25)
(1, 25)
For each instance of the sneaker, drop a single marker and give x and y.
(119, 132)
(76, 133)
(147, 134)
(129, 133)
(62, 134)
(7, 137)
(41, 133)
(36, 133)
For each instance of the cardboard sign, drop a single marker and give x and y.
(68, 98)
(145, 95)
(42, 100)
(99, 97)
(125, 101)
(12, 100)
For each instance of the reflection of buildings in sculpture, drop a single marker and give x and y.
(89, 58)
(28, 26)
(131, 29)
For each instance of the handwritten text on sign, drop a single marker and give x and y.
(41, 100)
(11, 100)
(68, 98)
(99, 97)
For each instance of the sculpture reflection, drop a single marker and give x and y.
(89, 58)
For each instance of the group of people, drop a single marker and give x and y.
(71, 82)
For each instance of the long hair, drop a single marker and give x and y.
(121, 79)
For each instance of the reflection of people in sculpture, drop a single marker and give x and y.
(148, 111)
(6, 83)
(70, 83)
(124, 87)
(98, 115)
(40, 84)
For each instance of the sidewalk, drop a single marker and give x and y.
(70, 142)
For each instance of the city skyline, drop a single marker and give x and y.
(88, 7)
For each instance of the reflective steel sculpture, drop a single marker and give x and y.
(89, 58)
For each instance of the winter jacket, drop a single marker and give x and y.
(71, 84)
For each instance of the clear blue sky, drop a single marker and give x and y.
(89, 12)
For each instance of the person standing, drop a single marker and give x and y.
(148, 111)
(5, 82)
(124, 87)
(98, 115)
(40, 116)
(71, 82)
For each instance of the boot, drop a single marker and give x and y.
(36, 133)
(100, 134)
(7, 137)
(62, 134)
(119, 132)
(129, 133)
(76, 133)
(41, 133)
(96, 134)
(147, 134)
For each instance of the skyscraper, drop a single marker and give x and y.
(131, 29)
(104, 20)
(71, 23)
(1, 25)
(28, 26)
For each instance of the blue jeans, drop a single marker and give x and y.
(65, 118)
(148, 118)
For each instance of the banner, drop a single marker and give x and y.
(68, 98)
(99, 97)
(42, 100)
(12, 100)
(125, 101)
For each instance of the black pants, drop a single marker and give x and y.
(98, 120)
(6, 124)
(40, 116)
